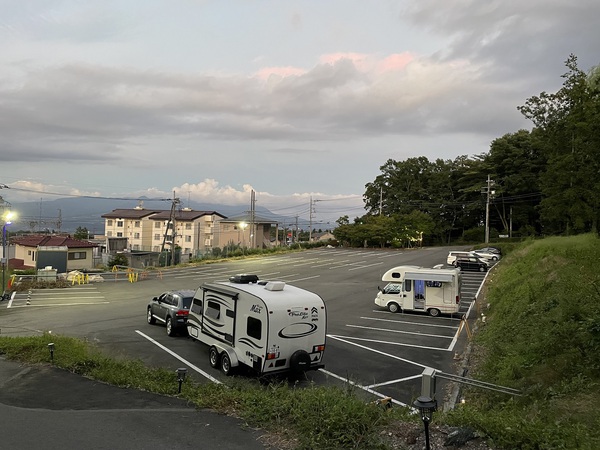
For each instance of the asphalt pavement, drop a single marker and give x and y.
(45, 407)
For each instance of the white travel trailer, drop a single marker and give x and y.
(268, 326)
(413, 288)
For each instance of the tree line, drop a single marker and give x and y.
(530, 183)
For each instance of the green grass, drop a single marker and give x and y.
(542, 336)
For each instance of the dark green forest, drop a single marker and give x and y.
(541, 182)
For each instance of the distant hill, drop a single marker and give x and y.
(66, 214)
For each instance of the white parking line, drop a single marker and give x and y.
(338, 338)
(175, 355)
(303, 279)
(399, 380)
(364, 388)
(400, 344)
(410, 323)
(399, 331)
(368, 265)
(57, 304)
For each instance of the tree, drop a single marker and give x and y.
(81, 233)
(568, 124)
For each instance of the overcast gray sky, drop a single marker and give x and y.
(293, 99)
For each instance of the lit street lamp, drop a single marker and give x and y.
(426, 407)
(7, 221)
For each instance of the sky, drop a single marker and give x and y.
(301, 101)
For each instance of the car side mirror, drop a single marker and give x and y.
(156, 299)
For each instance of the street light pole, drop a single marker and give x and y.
(7, 221)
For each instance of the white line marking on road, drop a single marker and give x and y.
(59, 304)
(399, 331)
(400, 344)
(368, 265)
(410, 323)
(364, 388)
(175, 355)
(399, 380)
(303, 279)
(333, 336)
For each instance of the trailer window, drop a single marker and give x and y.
(213, 310)
(197, 306)
(407, 285)
(435, 284)
(254, 328)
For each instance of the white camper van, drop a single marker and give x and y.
(267, 326)
(413, 288)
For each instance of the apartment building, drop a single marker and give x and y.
(194, 230)
(132, 224)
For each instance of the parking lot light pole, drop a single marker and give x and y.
(7, 218)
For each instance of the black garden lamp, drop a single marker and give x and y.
(426, 407)
(181, 372)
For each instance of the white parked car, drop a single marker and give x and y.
(486, 256)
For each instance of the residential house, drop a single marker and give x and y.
(322, 237)
(63, 253)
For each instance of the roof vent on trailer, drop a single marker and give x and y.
(243, 278)
(275, 285)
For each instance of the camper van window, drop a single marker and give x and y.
(407, 285)
(253, 328)
(197, 306)
(434, 284)
(395, 274)
(213, 310)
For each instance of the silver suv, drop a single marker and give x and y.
(171, 308)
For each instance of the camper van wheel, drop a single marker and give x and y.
(151, 320)
(213, 357)
(225, 364)
(434, 312)
(393, 307)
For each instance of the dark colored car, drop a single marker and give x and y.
(471, 263)
(171, 308)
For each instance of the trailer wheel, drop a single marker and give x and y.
(213, 357)
(434, 312)
(393, 307)
(225, 364)
(300, 361)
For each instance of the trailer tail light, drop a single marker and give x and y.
(318, 348)
(182, 313)
(457, 299)
(273, 355)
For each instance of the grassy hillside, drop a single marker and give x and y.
(542, 336)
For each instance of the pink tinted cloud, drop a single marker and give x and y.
(397, 61)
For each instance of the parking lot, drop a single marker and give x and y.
(379, 352)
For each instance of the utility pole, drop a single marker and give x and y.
(489, 193)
